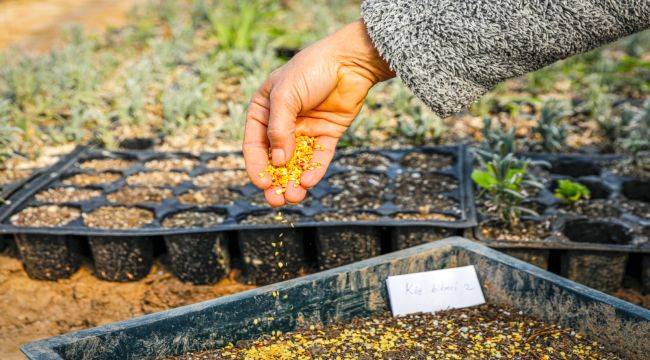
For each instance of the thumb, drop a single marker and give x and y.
(281, 129)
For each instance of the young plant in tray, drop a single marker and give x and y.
(496, 140)
(503, 179)
(570, 192)
(552, 133)
(637, 139)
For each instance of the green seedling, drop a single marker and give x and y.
(496, 140)
(184, 103)
(551, 131)
(637, 137)
(570, 192)
(503, 179)
(8, 134)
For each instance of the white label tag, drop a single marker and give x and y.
(434, 290)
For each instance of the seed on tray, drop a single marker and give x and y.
(139, 195)
(360, 190)
(415, 190)
(346, 216)
(272, 218)
(118, 217)
(158, 178)
(423, 216)
(482, 332)
(209, 196)
(107, 164)
(66, 194)
(92, 179)
(171, 164)
(523, 231)
(222, 178)
(8, 176)
(426, 162)
(45, 216)
(195, 219)
(365, 160)
(229, 162)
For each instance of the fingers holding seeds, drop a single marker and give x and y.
(274, 196)
(323, 154)
(256, 146)
(294, 193)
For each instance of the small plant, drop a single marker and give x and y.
(184, 103)
(503, 180)
(570, 192)
(497, 141)
(637, 137)
(234, 128)
(551, 132)
(8, 134)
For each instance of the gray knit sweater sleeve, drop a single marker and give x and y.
(450, 52)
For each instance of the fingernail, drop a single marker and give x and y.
(277, 157)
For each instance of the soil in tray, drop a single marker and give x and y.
(197, 219)
(171, 164)
(139, 195)
(8, 176)
(92, 179)
(209, 196)
(483, 332)
(419, 190)
(365, 160)
(118, 217)
(599, 208)
(229, 162)
(66, 195)
(423, 216)
(273, 218)
(45, 216)
(523, 231)
(360, 190)
(107, 164)
(158, 178)
(346, 216)
(222, 178)
(426, 162)
(638, 208)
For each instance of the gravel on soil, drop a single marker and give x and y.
(417, 190)
(597, 208)
(171, 164)
(45, 216)
(273, 218)
(229, 162)
(189, 219)
(66, 195)
(426, 162)
(158, 178)
(222, 178)
(364, 160)
(482, 332)
(359, 190)
(524, 230)
(107, 164)
(8, 176)
(346, 216)
(92, 179)
(423, 216)
(209, 196)
(139, 195)
(118, 217)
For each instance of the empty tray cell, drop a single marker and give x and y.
(62, 195)
(426, 161)
(537, 257)
(49, 257)
(360, 190)
(423, 216)
(575, 167)
(364, 160)
(222, 178)
(209, 196)
(597, 209)
(121, 258)
(638, 208)
(8, 176)
(340, 245)
(226, 162)
(118, 217)
(45, 216)
(403, 237)
(139, 195)
(107, 164)
(158, 178)
(636, 189)
(346, 216)
(92, 179)
(179, 163)
(523, 231)
(200, 258)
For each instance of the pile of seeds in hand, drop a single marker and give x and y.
(484, 332)
(300, 162)
(45, 216)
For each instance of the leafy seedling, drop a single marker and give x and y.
(570, 192)
(551, 131)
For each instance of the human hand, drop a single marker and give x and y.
(317, 93)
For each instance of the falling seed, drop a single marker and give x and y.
(280, 264)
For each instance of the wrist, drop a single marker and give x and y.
(355, 48)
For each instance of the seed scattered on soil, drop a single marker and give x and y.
(118, 217)
(45, 216)
(171, 164)
(272, 218)
(139, 195)
(426, 162)
(66, 195)
(229, 162)
(597, 208)
(424, 216)
(360, 190)
(365, 160)
(209, 196)
(346, 216)
(158, 178)
(300, 162)
(107, 164)
(415, 190)
(483, 332)
(8, 176)
(92, 179)
(638, 208)
(219, 179)
(195, 219)
(523, 231)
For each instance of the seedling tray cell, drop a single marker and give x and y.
(171, 184)
(356, 290)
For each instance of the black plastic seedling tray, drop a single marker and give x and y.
(201, 254)
(356, 290)
(592, 250)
